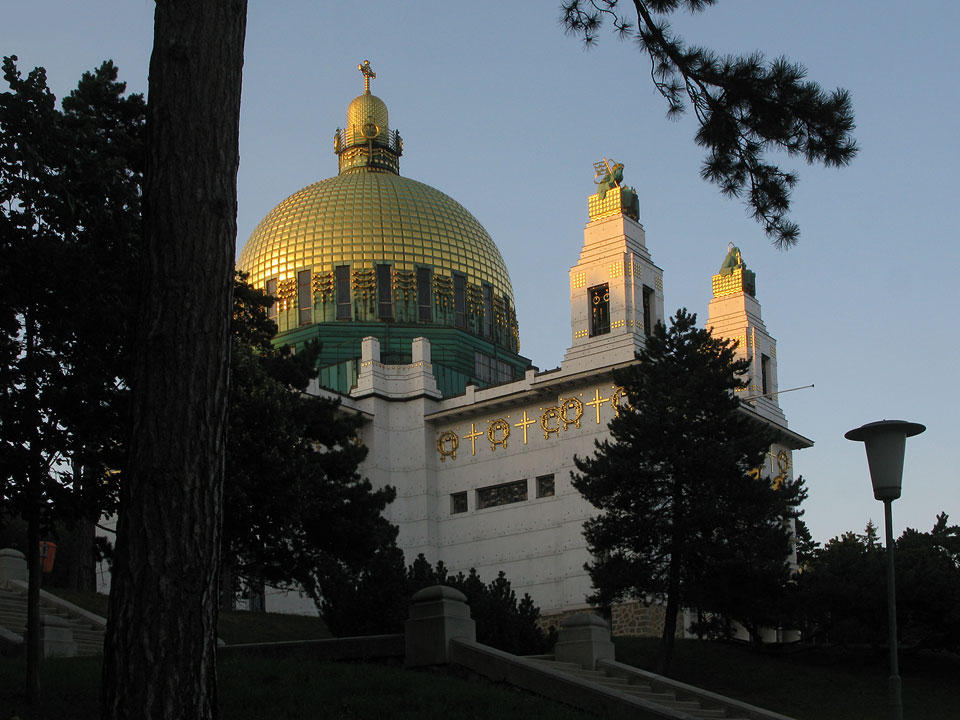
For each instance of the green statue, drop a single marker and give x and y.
(607, 177)
(611, 179)
(732, 261)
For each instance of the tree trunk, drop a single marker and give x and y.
(33, 509)
(160, 649)
(81, 574)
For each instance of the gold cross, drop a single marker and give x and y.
(597, 402)
(368, 73)
(472, 437)
(525, 423)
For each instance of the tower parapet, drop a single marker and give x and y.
(734, 313)
(616, 292)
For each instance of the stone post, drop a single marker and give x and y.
(13, 566)
(437, 615)
(584, 639)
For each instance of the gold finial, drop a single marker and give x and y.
(368, 73)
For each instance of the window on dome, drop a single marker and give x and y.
(271, 289)
(385, 292)
(424, 292)
(341, 275)
(460, 300)
(599, 309)
(487, 311)
(304, 297)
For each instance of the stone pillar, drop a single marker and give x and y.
(420, 351)
(437, 615)
(13, 566)
(584, 639)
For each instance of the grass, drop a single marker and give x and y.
(810, 683)
(807, 684)
(256, 688)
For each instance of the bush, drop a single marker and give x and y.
(378, 602)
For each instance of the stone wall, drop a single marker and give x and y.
(628, 619)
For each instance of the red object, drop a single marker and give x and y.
(48, 551)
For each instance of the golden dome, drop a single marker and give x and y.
(365, 217)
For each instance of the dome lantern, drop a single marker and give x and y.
(366, 142)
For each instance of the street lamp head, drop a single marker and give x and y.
(885, 441)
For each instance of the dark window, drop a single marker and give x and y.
(458, 502)
(385, 292)
(304, 297)
(503, 494)
(487, 311)
(647, 310)
(765, 374)
(599, 309)
(341, 275)
(271, 290)
(460, 301)
(425, 294)
(545, 486)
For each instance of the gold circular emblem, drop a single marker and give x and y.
(618, 399)
(566, 407)
(448, 437)
(551, 413)
(502, 426)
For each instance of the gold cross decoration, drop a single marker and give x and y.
(525, 423)
(368, 73)
(472, 437)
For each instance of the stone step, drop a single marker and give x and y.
(666, 698)
(13, 617)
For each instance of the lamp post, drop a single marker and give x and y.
(885, 442)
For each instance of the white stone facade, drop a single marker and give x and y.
(473, 472)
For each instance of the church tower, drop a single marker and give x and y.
(616, 292)
(734, 313)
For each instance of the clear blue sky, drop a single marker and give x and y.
(502, 111)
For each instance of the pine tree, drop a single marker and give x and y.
(296, 510)
(682, 520)
(69, 190)
(745, 106)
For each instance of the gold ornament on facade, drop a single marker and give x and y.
(323, 286)
(783, 465)
(548, 415)
(568, 405)
(448, 437)
(618, 399)
(405, 283)
(498, 426)
(443, 291)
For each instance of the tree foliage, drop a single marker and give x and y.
(69, 222)
(681, 518)
(843, 589)
(378, 602)
(296, 510)
(746, 106)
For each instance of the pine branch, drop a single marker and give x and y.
(745, 107)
